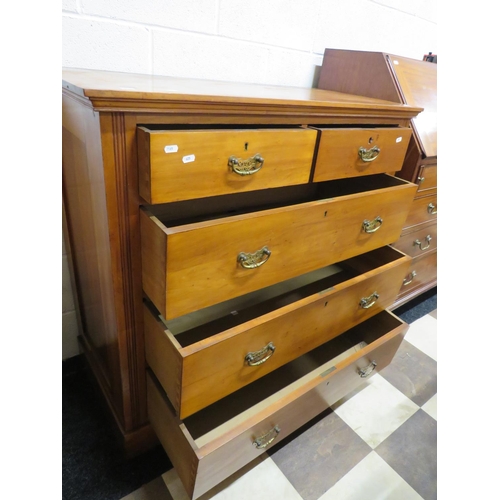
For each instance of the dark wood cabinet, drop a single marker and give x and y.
(413, 82)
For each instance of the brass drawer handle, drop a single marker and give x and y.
(409, 278)
(246, 167)
(267, 439)
(419, 243)
(253, 260)
(367, 302)
(432, 209)
(372, 226)
(420, 180)
(369, 154)
(365, 372)
(258, 357)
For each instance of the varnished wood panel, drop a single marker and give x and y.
(301, 238)
(425, 268)
(84, 191)
(421, 212)
(338, 156)
(416, 243)
(197, 164)
(427, 180)
(357, 72)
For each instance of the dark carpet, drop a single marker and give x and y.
(93, 467)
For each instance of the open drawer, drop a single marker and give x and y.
(191, 261)
(217, 441)
(205, 356)
(200, 162)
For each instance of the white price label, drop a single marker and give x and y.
(188, 159)
(173, 148)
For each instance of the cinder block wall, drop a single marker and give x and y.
(276, 42)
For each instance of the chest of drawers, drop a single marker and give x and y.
(231, 258)
(405, 80)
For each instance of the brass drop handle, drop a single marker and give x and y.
(370, 226)
(367, 302)
(253, 260)
(256, 358)
(369, 154)
(247, 166)
(267, 439)
(420, 243)
(432, 209)
(409, 278)
(365, 372)
(420, 179)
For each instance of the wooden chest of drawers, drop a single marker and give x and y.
(409, 81)
(230, 253)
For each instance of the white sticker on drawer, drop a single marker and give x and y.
(173, 148)
(188, 159)
(399, 139)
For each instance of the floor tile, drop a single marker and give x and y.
(431, 407)
(377, 411)
(411, 451)
(371, 479)
(262, 479)
(423, 335)
(154, 490)
(413, 373)
(318, 457)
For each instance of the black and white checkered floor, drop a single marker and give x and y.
(377, 443)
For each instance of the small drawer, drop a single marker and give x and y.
(190, 264)
(199, 360)
(422, 210)
(427, 179)
(418, 242)
(186, 164)
(351, 152)
(217, 441)
(422, 270)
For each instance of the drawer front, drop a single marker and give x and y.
(198, 265)
(203, 463)
(339, 152)
(215, 367)
(183, 165)
(427, 179)
(422, 210)
(422, 270)
(418, 242)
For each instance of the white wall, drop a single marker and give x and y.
(278, 42)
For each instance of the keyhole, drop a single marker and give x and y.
(246, 146)
(326, 303)
(326, 213)
(370, 140)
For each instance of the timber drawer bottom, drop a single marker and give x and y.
(215, 442)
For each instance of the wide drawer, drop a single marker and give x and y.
(199, 361)
(418, 242)
(422, 270)
(186, 164)
(191, 264)
(217, 441)
(350, 152)
(422, 210)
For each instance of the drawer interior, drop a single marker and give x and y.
(218, 418)
(201, 324)
(194, 211)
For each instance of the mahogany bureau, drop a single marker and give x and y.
(231, 259)
(413, 82)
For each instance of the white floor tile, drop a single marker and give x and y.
(264, 481)
(431, 407)
(372, 479)
(376, 411)
(423, 335)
